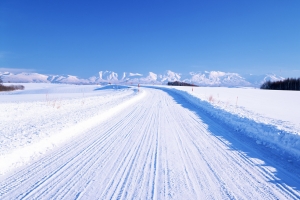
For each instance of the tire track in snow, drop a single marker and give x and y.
(158, 148)
(56, 157)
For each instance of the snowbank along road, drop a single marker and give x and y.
(160, 147)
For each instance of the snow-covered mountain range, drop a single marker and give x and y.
(212, 78)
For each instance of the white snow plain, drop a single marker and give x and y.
(269, 116)
(122, 142)
(43, 116)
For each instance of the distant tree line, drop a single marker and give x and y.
(10, 87)
(287, 84)
(178, 83)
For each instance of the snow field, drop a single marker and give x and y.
(160, 147)
(29, 128)
(123, 144)
(272, 118)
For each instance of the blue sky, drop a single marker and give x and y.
(84, 37)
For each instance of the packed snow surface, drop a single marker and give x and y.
(271, 117)
(280, 106)
(122, 142)
(46, 115)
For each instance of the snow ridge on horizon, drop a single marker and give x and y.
(212, 78)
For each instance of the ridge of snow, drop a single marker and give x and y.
(135, 74)
(108, 76)
(170, 76)
(272, 133)
(207, 78)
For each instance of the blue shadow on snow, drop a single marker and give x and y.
(112, 87)
(283, 163)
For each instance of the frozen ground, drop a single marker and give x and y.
(270, 117)
(280, 108)
(87, 142)
(43, 116)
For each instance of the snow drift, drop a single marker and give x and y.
(265, 134)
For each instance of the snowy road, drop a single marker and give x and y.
(162, 147)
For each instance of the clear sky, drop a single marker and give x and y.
(83, 37)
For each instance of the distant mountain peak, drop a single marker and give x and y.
(207, 78)
(135, 74)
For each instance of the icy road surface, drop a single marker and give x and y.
(161, 147)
